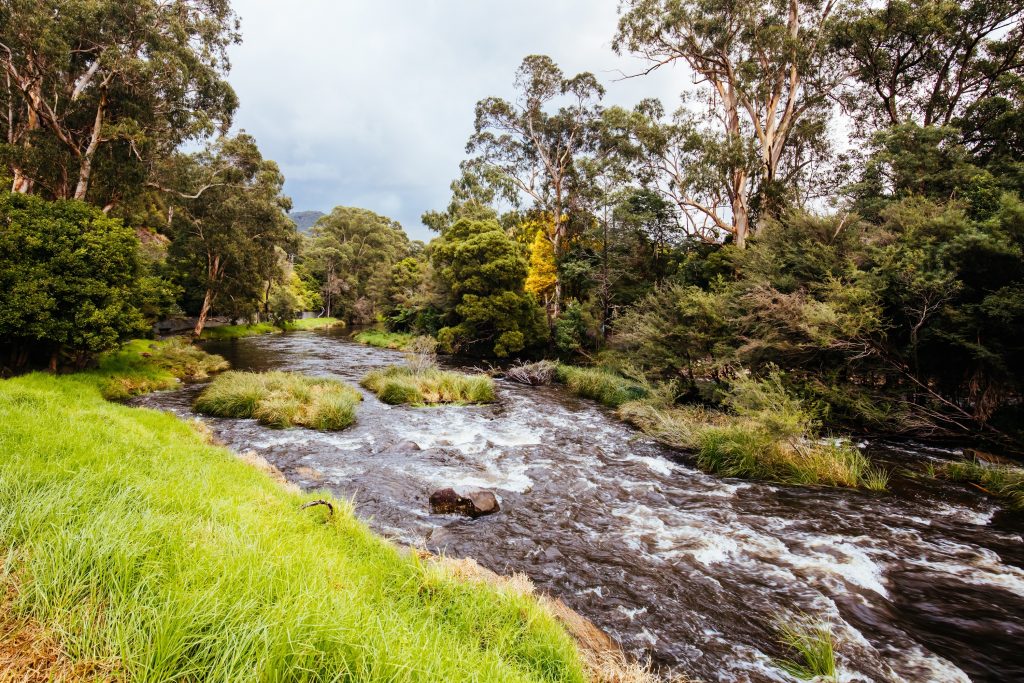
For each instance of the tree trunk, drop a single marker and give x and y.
(204, 313)
(22, 183)
(85, 168)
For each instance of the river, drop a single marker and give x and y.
(923, 583)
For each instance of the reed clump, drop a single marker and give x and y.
(385, 340)
(767, 434)
(812, 648)
(402, 385)
(1005, 482)
(599, 384)
(281, 399)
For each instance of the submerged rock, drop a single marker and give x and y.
(406, 447)
(473, 504)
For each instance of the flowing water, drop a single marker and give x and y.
(924, 583)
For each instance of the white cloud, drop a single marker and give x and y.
(369, 103)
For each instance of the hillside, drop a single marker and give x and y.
(305, 220)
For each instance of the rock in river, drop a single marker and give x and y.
(473, 504)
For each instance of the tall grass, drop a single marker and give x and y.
(1002, 481)
(281, 399)
(141, 366)
(813, 648)
(767, 435)
(599, 384)
(157, 557)
(397, 385)
(385, 340)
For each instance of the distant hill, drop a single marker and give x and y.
(305, 219)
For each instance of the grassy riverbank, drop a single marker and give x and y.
(237, 331)
(142, 366)
(1005, 482)
(146, 554)
(397, 341)
(281, 399)
(428, 386)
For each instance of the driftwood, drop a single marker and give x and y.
(318, 502)
(534, 374)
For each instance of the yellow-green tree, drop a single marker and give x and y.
(543, 273)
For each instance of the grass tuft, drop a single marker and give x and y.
(1001, 481)
(153, 556)
(398, 341)
(599, 384)
(813, 648)
(767, 436)
(281, 399)
(401, 385)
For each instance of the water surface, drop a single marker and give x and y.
(924, 583)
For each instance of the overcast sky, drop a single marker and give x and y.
(370, 102)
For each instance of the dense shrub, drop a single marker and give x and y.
(69, 277)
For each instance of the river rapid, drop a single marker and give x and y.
(924, 583)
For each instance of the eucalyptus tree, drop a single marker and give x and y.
(762, 71)
(114, 82)
(352, 252)
(528, 148)
(228, 222)
(929, 61)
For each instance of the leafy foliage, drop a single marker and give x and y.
(69, 277)
(484, 272)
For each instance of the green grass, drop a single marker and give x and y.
(813, 648)
(742, 446)
(312, 324)
(397, 385)
(1002, 481)
(385, 340)
(599, 384)
(281, 399)
(141, 366)
(237, 331)
(157, 557)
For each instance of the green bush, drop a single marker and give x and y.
(281, 399)
(69, 278)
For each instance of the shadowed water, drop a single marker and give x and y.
(924, 583)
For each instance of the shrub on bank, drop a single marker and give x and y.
(151, 555)
(398, 385)
(281, 399)
(599, 384)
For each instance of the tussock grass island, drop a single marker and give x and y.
(281, 399)
(429, 386)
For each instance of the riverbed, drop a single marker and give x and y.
(692, 571)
